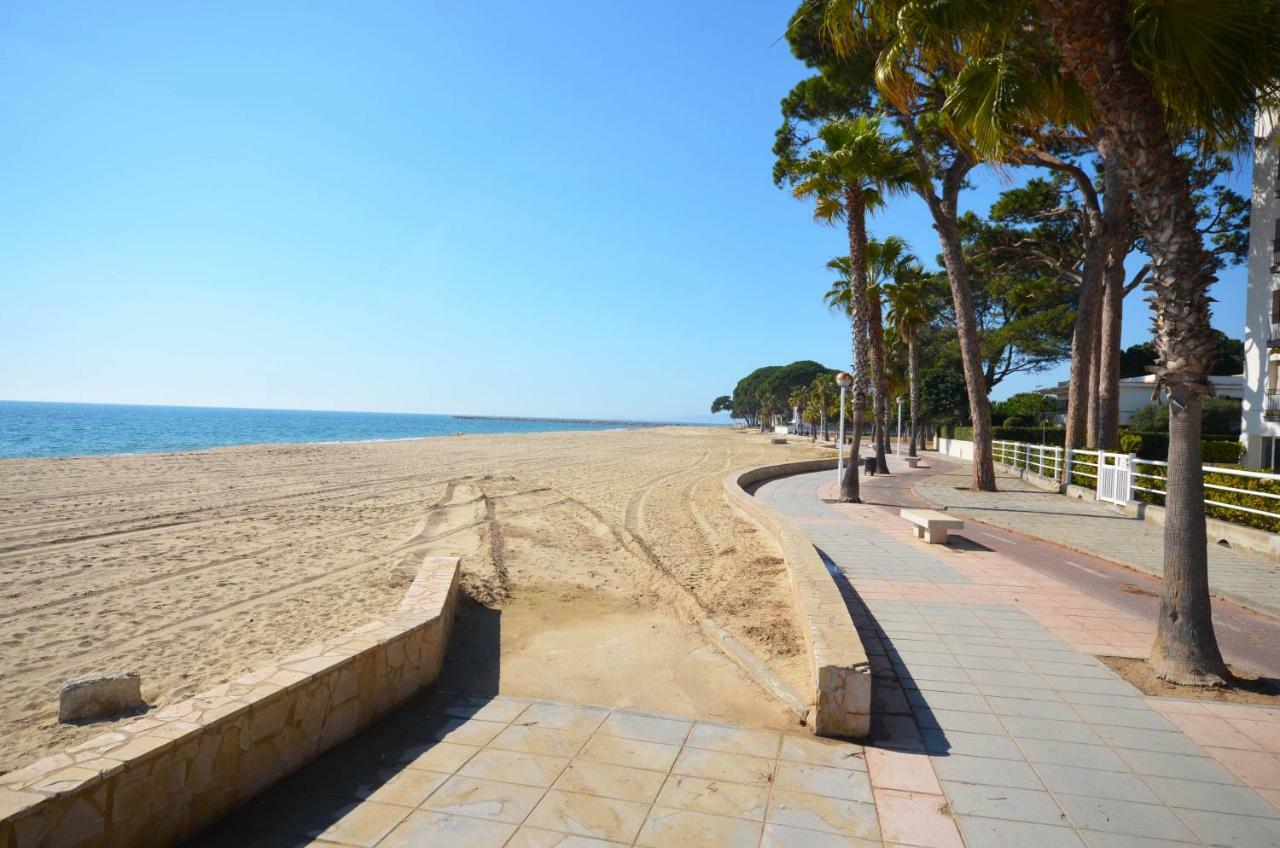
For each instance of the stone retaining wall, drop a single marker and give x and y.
(840, 676)
(159, 779)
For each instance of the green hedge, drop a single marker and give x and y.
(1234, 516)
(1031, 435)
(1215, 450)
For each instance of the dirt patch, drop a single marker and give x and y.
(1245, 689)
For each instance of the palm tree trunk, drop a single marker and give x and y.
(1095, 359)
(1083, 339)
(913, 382)
(1093, 39)
(984, 472)
(1116, 226)
(856, 221)
(875, 352)
(1109, 359)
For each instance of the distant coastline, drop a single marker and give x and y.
(49, 429)
(594, 422)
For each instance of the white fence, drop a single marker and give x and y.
(1045, 460)
(1118, 478)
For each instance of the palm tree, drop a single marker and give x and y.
(823, 390)
(885, 261)
(853, 173)
(912, 304)
(1152, 72)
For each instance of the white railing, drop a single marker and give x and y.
(1045, 460)
(1158, 474)
(1118, 478)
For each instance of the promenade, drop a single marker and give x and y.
(1247, 578)
(995, 725)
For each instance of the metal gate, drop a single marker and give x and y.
(1115, 478)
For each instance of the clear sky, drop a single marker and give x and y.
(558, 208)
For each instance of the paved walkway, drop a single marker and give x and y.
(1247, 578)
(481, 772)
(994, 726)
(984, 671)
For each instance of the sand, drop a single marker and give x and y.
(590, 555)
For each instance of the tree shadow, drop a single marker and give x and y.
(901, 718)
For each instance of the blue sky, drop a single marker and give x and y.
(559, 208)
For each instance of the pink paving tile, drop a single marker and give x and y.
(1258, 769)
(902, 770)
(1264, 734)
(1213, 731)
(915, 818)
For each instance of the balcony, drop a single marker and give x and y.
(1271, 405)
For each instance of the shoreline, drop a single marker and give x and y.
(193, 567)
(388, 439)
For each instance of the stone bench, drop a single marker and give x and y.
(778, 441)
(912, 461)
(931, 525)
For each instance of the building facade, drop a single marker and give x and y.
(1260, 427)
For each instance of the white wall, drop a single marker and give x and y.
(959, 448)
(1258, 330)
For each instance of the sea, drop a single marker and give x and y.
(30, 429)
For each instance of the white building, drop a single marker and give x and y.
(1260, 428)
(1136, 392)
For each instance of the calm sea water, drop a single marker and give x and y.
(80, 429)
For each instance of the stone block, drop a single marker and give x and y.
(101, 696)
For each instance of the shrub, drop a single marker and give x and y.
(1155, 476)
(1220, 415)
(1030, 435)
(1131, 443)
(1017, 421)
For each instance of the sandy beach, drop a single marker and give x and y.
(590, 556)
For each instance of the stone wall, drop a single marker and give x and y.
(159, 779)
(840, 675)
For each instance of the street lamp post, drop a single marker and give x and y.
(899, 425)
(844, 381)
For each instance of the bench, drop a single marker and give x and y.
(931, 525)
(912, 461)
(777, 441)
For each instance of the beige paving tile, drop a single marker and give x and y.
(916, 818)
(654, 756)
(485, 799)
(904, 770)
(823, 752)
(532, 837)
(465, 731)
(407, 787)
(781, 836)
(715, 796)
(667, 827)
(562, 717)
(515, 767)
(734, 740)
(540, 740)
(814, 812)
(359, 823)
(823, 780)
(438, 756)
(488, 709)
(647, 727)
(589, 815)
(715, 765)
(426, 827)
(610, 781)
